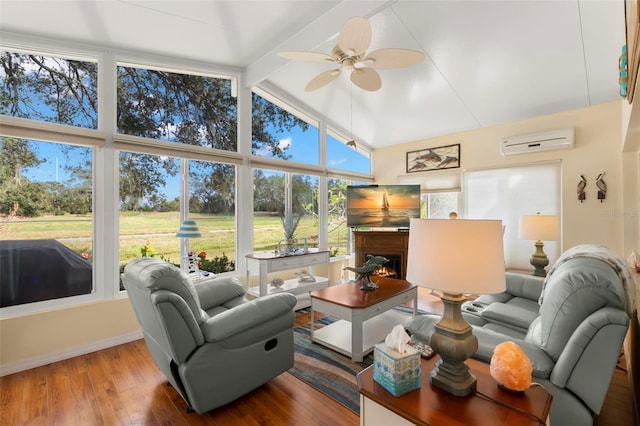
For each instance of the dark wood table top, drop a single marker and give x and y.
(431, 405)
(349, 294)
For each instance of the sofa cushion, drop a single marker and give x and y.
(509, 315)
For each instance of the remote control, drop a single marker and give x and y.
(425, 350)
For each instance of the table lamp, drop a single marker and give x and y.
(539, 227)
(187, 230)
(456, 257)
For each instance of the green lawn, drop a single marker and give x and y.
(159, 228)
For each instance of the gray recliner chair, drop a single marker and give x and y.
(575, 342)
(211, 343)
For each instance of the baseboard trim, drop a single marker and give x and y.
(66, 354)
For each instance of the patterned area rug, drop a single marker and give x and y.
(326, 370)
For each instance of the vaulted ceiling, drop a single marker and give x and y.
(487, 62)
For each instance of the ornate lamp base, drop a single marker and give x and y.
(539, 260)
(454, 342)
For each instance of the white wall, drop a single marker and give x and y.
(598, 149)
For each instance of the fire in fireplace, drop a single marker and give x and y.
(391, 269)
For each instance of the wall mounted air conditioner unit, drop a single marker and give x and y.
(545, 141)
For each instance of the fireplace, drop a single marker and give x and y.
(391, 244)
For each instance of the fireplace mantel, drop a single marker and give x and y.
(382, 243)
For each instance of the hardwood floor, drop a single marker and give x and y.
(122, 386)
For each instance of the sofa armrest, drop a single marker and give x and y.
(587, 363)
(508, 315)
(218, 291)
(247, 315)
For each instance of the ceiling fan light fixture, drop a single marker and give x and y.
(350, 54)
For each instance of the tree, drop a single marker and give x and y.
(180, 108)
(17, 194)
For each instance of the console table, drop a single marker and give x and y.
(270, 262)
(431, 405)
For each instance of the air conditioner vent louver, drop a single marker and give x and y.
(545, 141)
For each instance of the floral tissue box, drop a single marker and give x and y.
(398, 373)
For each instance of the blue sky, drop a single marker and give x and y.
(302, 146)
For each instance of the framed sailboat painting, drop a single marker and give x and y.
(442, 157)
(382, 206)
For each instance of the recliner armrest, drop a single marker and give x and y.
(510, 316)
(246, 316)
(218, 291)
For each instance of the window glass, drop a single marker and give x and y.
(343, 157)
(277, 133)
(439, 205)
(304, 203)
(49, 89)
(268, 205)
(182, 108)
(509, 193)
(149, 207)
(46, 221)
(212, 205)
(337, 221)
(277, 194)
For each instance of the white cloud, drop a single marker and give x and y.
(285, 143)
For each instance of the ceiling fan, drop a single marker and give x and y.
(350, 54)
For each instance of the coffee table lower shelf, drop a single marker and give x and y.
(338, 335)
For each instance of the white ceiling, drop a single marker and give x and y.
(488, 62)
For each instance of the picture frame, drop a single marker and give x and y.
(632, 27)
(438, 158)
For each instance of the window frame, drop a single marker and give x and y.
(106, 143)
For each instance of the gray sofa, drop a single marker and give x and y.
(576, 340)
(211, 343)
(510, 312)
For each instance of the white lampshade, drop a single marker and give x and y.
(189, 229)
(456, 256)
(539, 227)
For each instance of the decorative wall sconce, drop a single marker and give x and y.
(602, 187)
(580, 188)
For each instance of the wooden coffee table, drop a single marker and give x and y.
(430, 405)
(365, 317)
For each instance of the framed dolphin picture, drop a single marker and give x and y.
(442, 157)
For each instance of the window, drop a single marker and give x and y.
(173, 107)
(337, 223)
(279, 193)
(212, 204)
(438, 205)
(50, 89)
(46, 206)
(149, 207)
(277, 133)
(174, 155)
(509, 193)
(343, 157)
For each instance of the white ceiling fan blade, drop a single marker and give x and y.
(393, 58)
(366, 79)
(307, 56)
(355, 36)
(322, 79)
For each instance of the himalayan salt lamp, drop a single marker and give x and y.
(511, 367)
